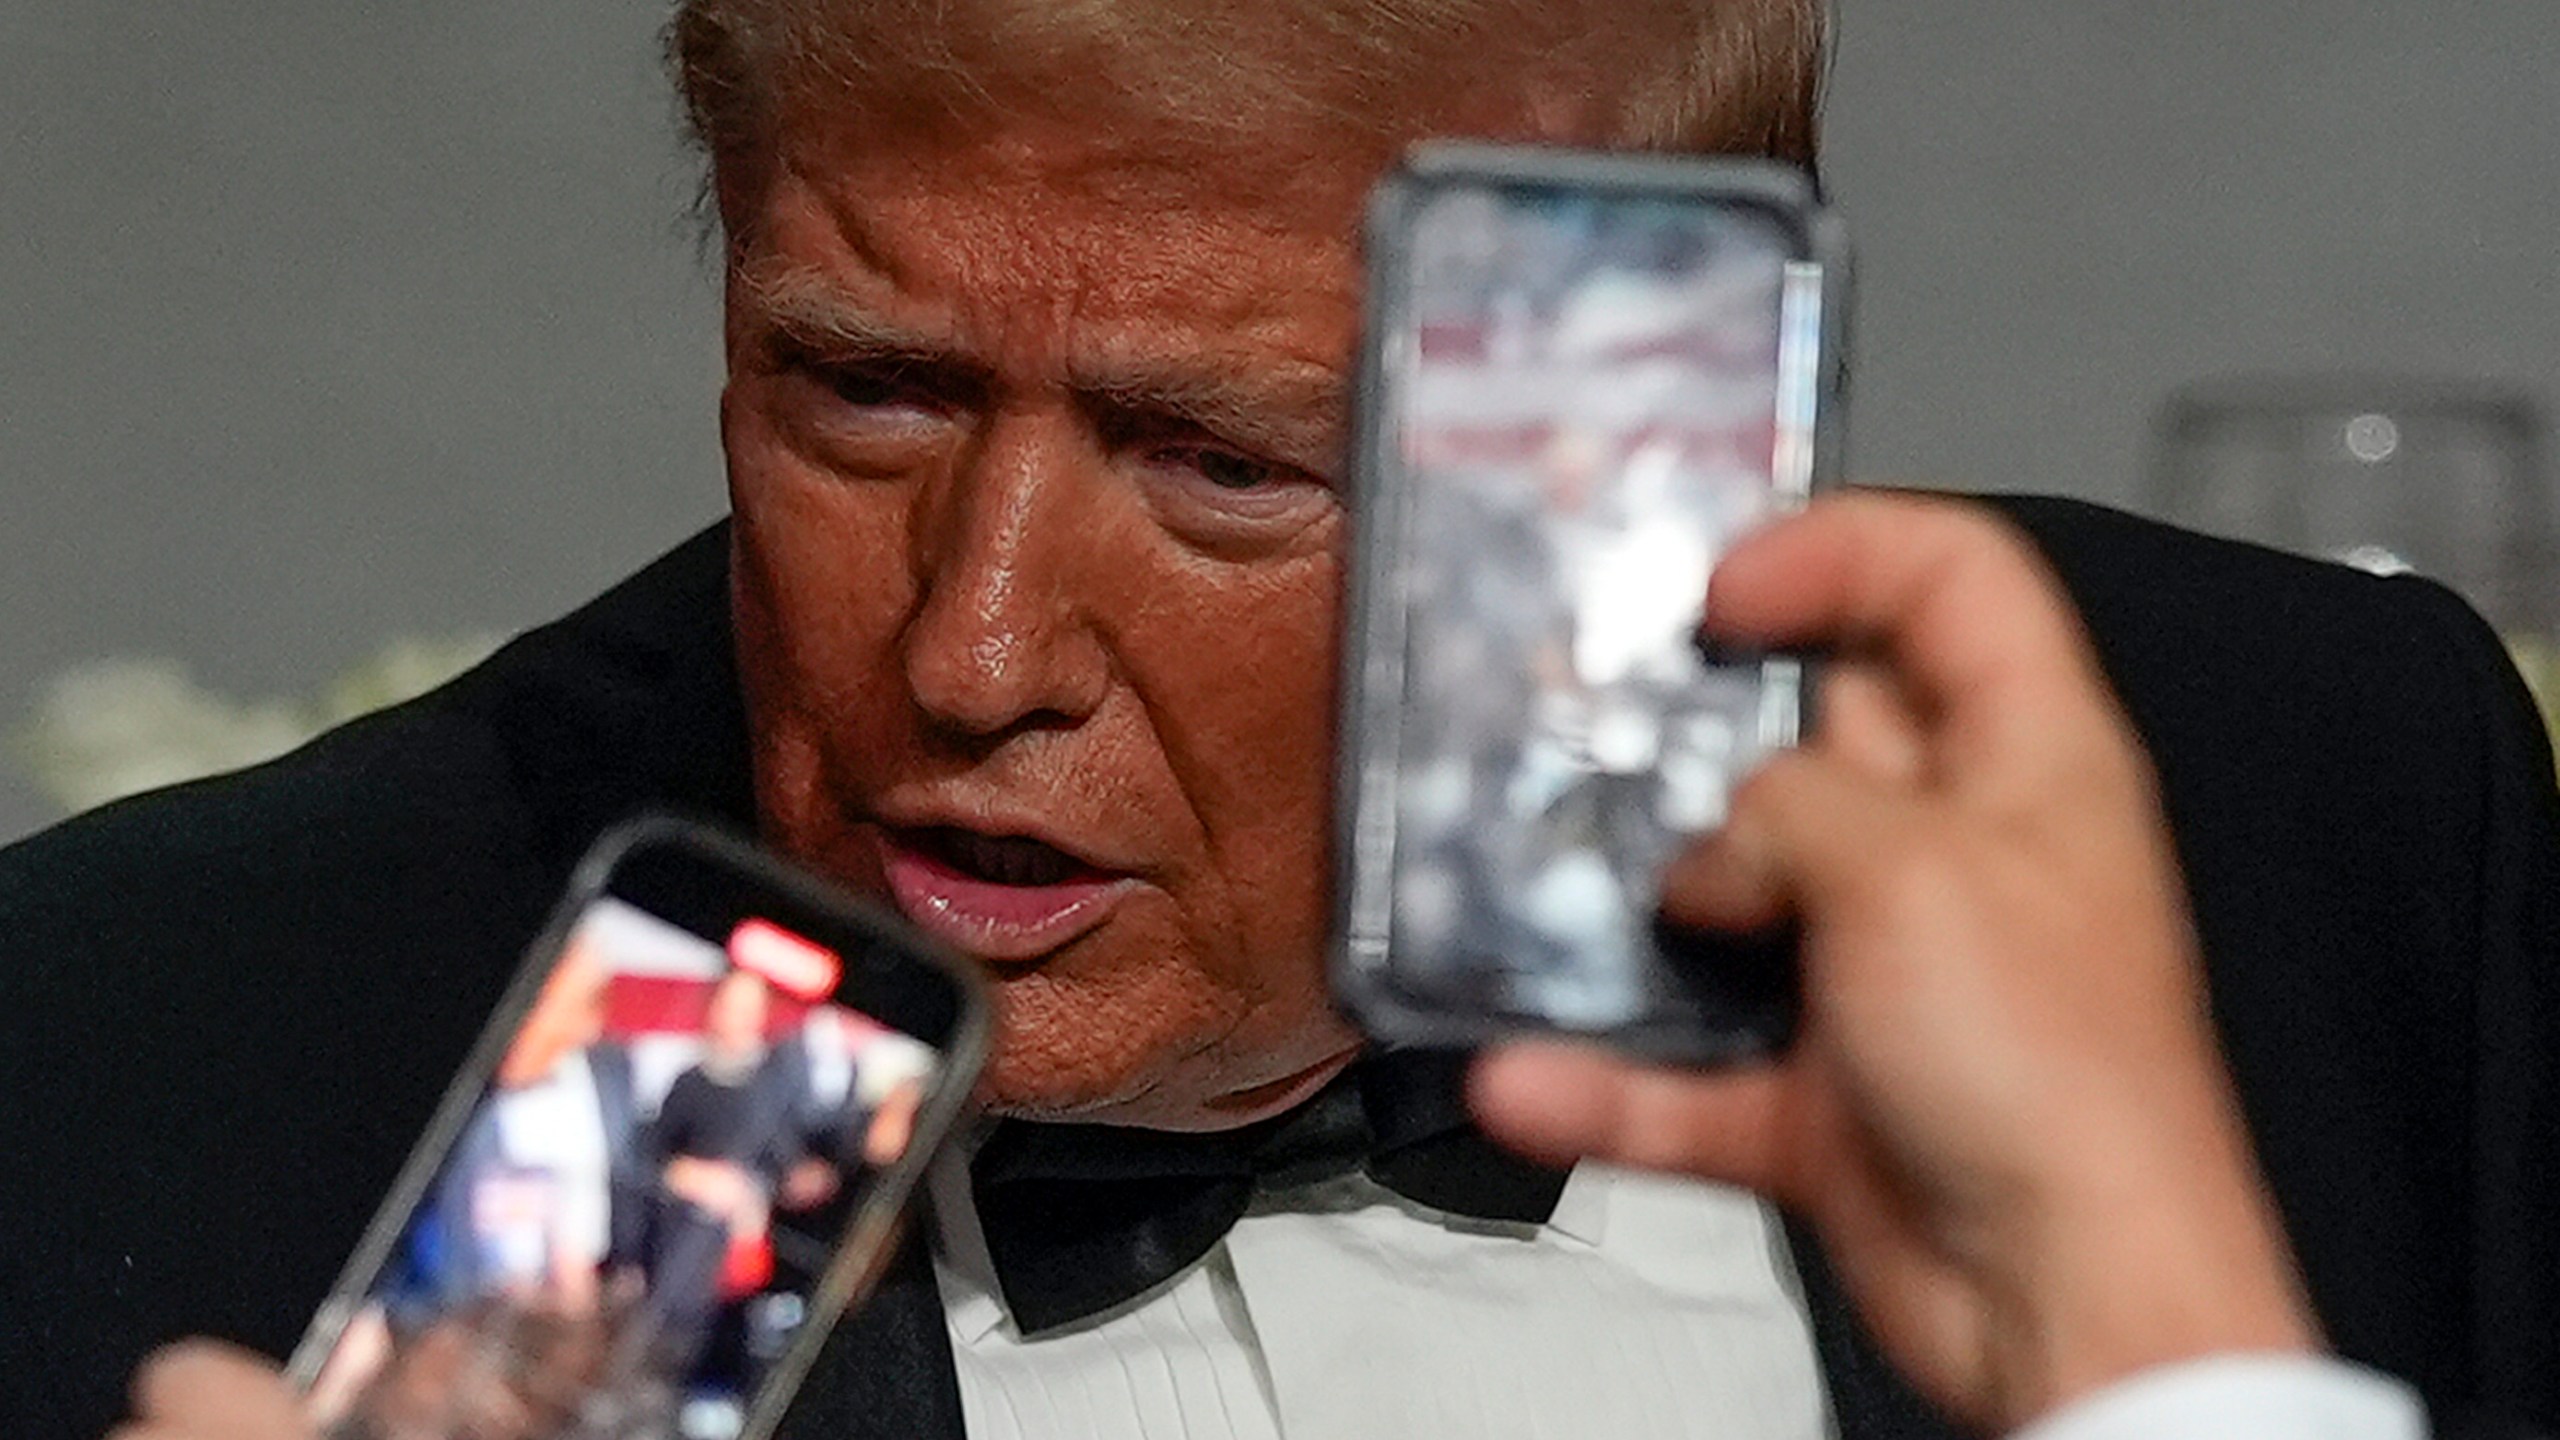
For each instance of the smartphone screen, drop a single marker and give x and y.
(699, 1107)
(1584, 388)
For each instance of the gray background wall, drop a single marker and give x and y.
(320, 323)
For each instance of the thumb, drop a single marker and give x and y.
(1558, 1103)
(216, 1390)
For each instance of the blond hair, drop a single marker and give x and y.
(1697, 76)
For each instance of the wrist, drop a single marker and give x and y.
(2171, 1263)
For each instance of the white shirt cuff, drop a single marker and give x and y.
(2242, 1397)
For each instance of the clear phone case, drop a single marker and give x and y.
(1585, 377)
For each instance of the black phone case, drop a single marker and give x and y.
(864, 1247)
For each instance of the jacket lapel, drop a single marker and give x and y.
(887, 1371)
(1869, 1399)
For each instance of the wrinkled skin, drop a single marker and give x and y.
(2005, 1112)
(1059, 558)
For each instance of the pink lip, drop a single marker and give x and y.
(989, 920)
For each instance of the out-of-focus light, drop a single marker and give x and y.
(2373, 438)
(793, 965)
(2375, 560)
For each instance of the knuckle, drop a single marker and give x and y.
(1908, 880)
(1660, 1127)
(1773, 788)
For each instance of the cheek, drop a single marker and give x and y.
(1221, 735)
(1242, 698)
(821, 587)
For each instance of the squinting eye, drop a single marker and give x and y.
(1230, 501)
(1230, 471)
(869, 388)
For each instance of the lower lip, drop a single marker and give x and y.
(992, 921)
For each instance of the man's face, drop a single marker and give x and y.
(1032, 454)
(734, 1020)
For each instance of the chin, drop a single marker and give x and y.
(1071, 1048)
(1058, 1061)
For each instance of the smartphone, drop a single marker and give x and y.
(1583, 377)
(681, 1148)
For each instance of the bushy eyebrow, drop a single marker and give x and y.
(808, 311)
(1291, 416)
(1293, 413)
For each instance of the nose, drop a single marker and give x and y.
(1001, 638)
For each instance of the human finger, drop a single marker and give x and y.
(207, 1390)
(1559, 1102)
(1730, 880)
(1725, 881)
(1968, 618)
(1803, 835)
(1864, 719)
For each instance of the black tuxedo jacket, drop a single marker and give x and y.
(230, 1007)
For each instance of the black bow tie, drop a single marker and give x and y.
(1080, 1218)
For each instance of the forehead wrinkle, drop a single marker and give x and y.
(1039, 281)
(1284, 403)
(1230, 358)
(1053, 231)
(858, 274)
(806, 188)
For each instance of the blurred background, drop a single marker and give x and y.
(337, 340)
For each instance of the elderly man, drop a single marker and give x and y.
(1038, 320)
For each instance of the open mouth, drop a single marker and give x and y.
(998, 897)
(998, 859)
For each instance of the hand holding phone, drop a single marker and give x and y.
(1584, 377)
(2007, 1116)
(680, 1149)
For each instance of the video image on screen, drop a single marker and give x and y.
(1592, 412)
(636, 1212)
